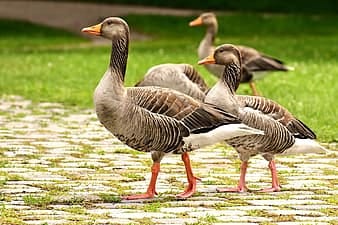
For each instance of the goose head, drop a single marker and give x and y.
(110, 28)
(117, 30)
(223, 55)
(207, 19)
(229, 56)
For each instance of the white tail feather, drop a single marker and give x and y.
(303, 146)
(290, 68)
(219, 134)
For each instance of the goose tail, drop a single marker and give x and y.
(304, 146)
(290, 68)
(221, 133)
(236, 130)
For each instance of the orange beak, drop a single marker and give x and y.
(196, 22)
(96, 29)
(207, 60)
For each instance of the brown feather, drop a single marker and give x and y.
(279, 113)
(195, 77)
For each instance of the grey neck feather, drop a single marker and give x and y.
(211, 33)
(119, 56)
(232, 76)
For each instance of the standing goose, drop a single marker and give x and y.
(253, 60)
(283, 133)
(180, 77)
(154, 119)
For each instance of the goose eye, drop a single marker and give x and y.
(109, 22)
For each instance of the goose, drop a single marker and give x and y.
(253, 60)
(180, 77)
(283, 132)
(155, 119)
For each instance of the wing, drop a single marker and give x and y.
(180, 77)
(264, 63)
(147, 131)
(278, 113)
(196, 116)
(163, 101)
(256, 61)
(157, 119)
(208, 117)
(195, 77)
(276, 136)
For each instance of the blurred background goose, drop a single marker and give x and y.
(252, 60)
(283, 133)
(154, 119)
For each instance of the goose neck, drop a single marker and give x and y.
(222, 96)
(119, 57)
(207, 42)
(232, 76)
(211, 32)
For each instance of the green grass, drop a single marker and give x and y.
(109, 198)
(38, 201)
(207, 220)
(45, 64)
(18, 36)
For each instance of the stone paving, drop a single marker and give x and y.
(58, 165)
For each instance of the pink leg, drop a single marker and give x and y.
(191, 189)
(241, 187)
(155, 169)
(275, 184)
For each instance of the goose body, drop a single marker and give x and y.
(181, 77)
(283, 133)
(252, 60)
(154, 119)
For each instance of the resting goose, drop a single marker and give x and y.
(180, 77)
(283, 133)
(154, 119)
(253, 60)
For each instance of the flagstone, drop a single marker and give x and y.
(67, 154)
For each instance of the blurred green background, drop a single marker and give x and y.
(284, 6)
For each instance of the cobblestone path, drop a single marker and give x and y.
(60, 166)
